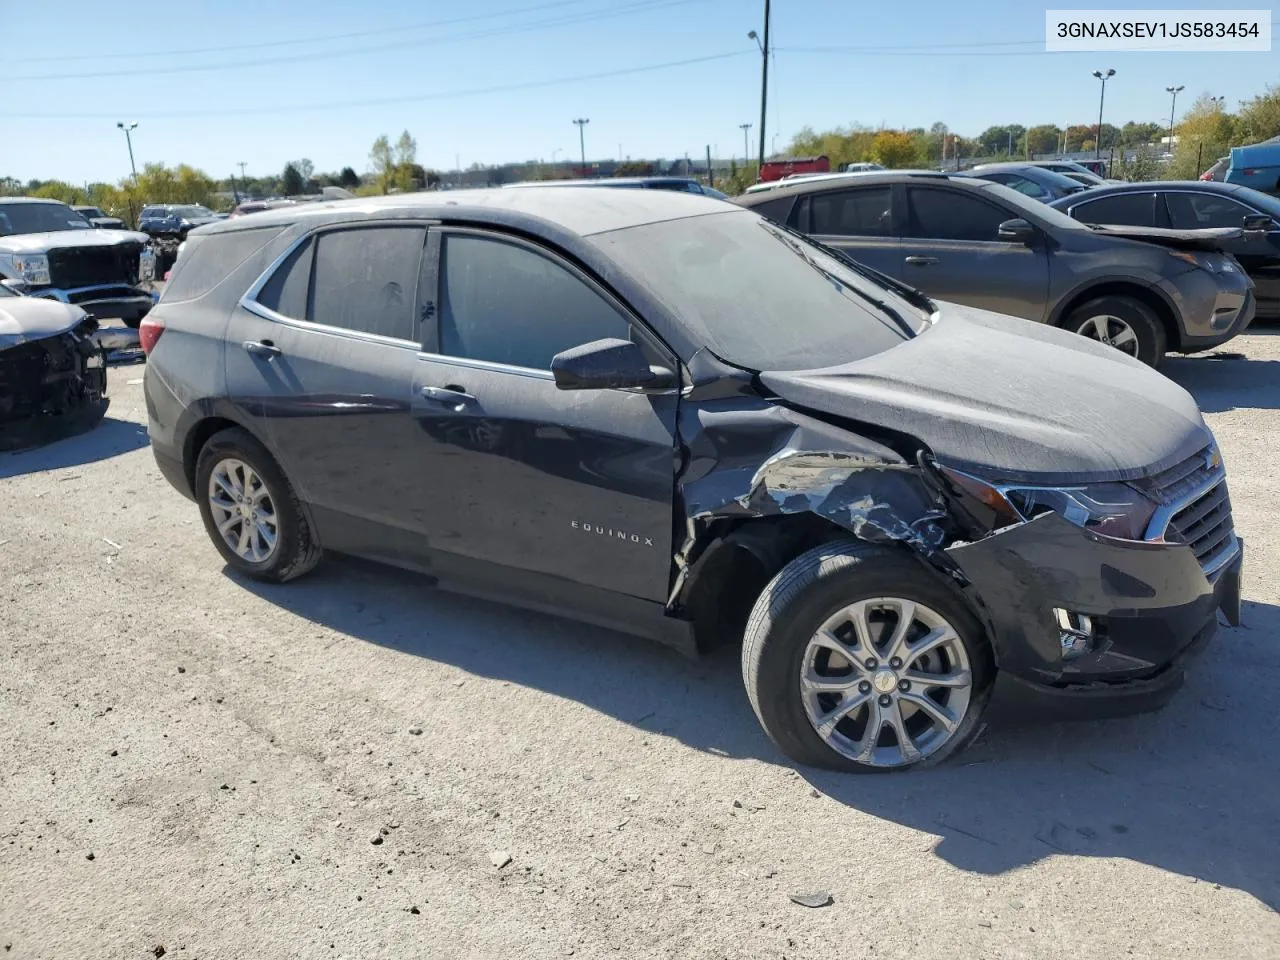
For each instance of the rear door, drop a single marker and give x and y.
(952, 251)
(858, 222)
(321, 356)
(1258, 252)
(571, 484)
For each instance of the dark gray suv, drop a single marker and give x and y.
(973, 242)
(666, 414)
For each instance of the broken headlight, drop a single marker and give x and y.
(1108, 509)
(1111, 509)
(31, 267)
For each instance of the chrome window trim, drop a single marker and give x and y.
(249, 301)
(471, 364)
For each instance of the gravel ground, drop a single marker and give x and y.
(355, 765)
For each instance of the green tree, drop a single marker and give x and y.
(292, 180)
(894, 149)
(348, 178)
(1204, 133)
(1136, 134)
(1044, 138)
(1259, 118)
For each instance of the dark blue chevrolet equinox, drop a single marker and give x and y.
(663, 414)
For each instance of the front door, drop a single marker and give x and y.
(322, 359)
(952, 251)
(519, 474)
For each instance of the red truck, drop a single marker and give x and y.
(777, 169)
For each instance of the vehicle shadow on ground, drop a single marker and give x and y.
(1227, 381)
(1191, 790)
(109, 439)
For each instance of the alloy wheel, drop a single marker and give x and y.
(243, 511)
(1112, 331)
(886, 682)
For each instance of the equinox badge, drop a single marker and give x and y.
(610, 532)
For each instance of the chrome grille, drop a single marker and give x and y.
(1195, 509)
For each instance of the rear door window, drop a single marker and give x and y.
(366, 279)
(1125, 209)
(937, 214)
(853, 213)
(1196, 211)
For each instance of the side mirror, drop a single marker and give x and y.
(606, 365)
(1016, 230)
(1258, 222)
(20, 287)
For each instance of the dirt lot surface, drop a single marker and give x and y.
(355, 765)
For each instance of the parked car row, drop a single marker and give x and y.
(971, 241)
(663, 413)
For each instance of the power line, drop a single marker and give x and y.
(298, 41)
(383, 101)
(640, 6)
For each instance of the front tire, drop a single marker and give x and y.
(857, 658)
(250, 509)
(1124, 323)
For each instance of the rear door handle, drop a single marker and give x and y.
(451, 396)
(261, 348)
(921, 261)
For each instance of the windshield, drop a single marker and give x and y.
(90, 211)
(762, 298)
(1262, 202)
(16, 218)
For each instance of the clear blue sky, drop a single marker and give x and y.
(484, 80)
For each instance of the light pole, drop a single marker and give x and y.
(746, 145)
(1097, 140)
(582, 142)
(1173, 106)
(128, 129)
(764, 78)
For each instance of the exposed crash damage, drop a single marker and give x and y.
(53, 379)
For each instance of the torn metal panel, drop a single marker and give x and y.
(749, 458)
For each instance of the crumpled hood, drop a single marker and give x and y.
(90, 237)
(1014, 400)
(23, 319)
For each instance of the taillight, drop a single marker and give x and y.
(1207, 175)
(149, 333)
(1250, 172)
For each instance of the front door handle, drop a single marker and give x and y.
(921, 261)
(262, 348)
(451, 396)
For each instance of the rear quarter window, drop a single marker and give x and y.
(208, 259)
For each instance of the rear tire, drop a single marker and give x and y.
(1124, 323)
(250, 510)
(792, 672)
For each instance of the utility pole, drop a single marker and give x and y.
(764, 82)
(1097, 140)
(582, 142)
(711, 174)
(1174, 91)
(129, 140)
(746, 144)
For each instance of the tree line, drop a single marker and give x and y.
(1204, 132)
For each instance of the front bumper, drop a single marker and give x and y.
(1151, 604)
(1214, 308)
(105, 301)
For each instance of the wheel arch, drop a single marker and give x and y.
(1149, 296)
(207, 420)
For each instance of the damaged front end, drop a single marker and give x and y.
(53, 377)
(1099, 612)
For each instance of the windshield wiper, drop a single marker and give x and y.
(884, 307)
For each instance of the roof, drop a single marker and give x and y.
(790, 188)
(567, 209)
(1149, 186)
(602, 182)
(31, 200)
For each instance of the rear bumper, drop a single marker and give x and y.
(104, 301)
(1152, 609)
